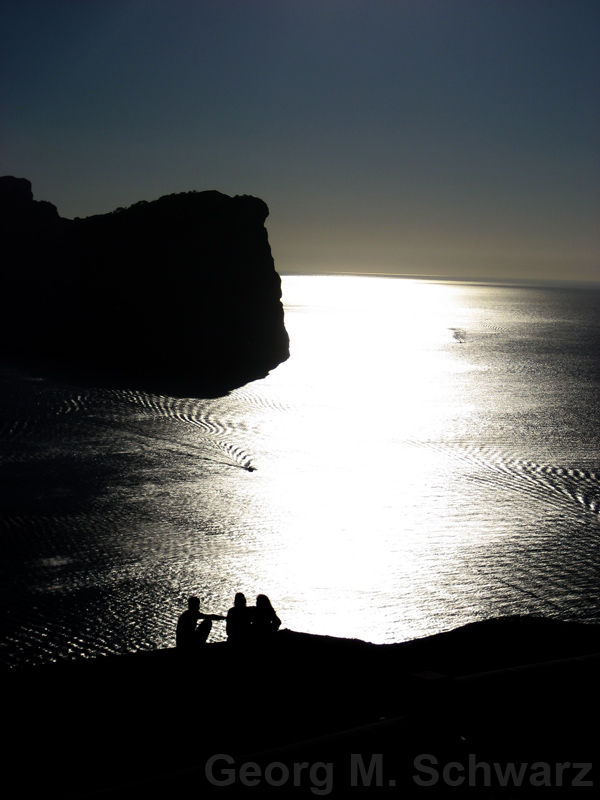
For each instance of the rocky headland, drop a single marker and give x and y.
(177, 296)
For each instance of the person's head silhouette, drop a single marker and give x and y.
(194, 603)
(262, 601)
(240, 600)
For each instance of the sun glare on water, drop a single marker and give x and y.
(372, 377)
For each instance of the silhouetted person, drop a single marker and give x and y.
(265, 622)
(190, 637)
(238, 621)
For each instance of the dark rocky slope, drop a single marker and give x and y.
(516, 690)
(179, 295)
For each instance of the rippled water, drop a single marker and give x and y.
(428, 456)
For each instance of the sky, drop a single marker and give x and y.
(451, 138)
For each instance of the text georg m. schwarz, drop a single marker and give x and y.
(223, 770)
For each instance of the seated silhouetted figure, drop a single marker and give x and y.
(189, 637)
(265, 622)
(238, 621)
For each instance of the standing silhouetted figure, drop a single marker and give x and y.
(190, 637)
(265, 622)
(238, 621)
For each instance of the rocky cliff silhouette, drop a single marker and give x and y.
(178, 295)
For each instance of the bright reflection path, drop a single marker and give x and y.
(379, 476)
(427, 457)
(370, 373)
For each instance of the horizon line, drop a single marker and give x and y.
(489, 281)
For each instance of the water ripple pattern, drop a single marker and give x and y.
(427, 457)
(555, 485)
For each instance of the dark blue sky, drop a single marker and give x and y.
(457, 137)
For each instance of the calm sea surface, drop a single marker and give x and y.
(428, 456)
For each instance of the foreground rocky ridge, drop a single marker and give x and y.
(517, 690)
(177, 296)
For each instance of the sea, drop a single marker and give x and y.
(429, 456)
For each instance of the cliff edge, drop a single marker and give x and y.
(176, 296)
(414, 717)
